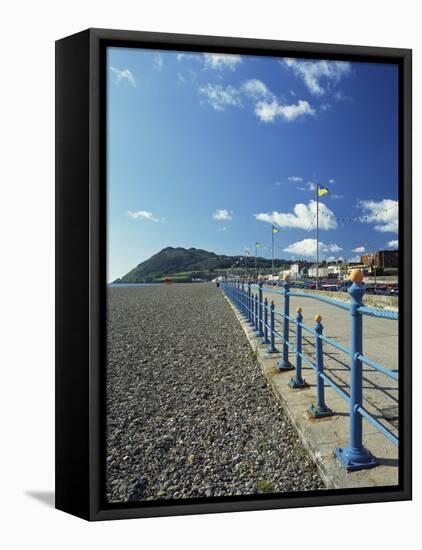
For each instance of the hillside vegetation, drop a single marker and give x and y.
(185, 264)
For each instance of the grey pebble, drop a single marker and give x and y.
(182, 382)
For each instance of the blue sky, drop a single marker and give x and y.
(208, 151)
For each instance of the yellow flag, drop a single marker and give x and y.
(275, 230)
(258, 245)
(322, 191)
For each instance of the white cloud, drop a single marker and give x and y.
(334, 259)
(219, 97)
(267, 106)
(142, 215)
(308, 186)
(221, 61)
(268, 111)
(393, 244)
(308, 247)
(302, 218)
(123, 74)
(256, 89)
(223, 214)
(313, 72)
(331, 181)
(189, 56)
(359, 249)
(224, 228)
(159, 62)
(384, 214)
(354, 259)
(295, 178)
(333, 247)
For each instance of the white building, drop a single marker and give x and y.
(322, 271)
(295, 271)
(334, 270)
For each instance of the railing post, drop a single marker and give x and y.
(298, 381)
(272, 348)
(265, 339)
(253, 309)
(256, 312)
(320, 409)
(355, 456)
(259, 331)
(284, 364)
(249, 303)
(243, 298)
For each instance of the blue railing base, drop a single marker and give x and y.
(266, 340)
(297, 384)
(272, 350)
(316, 411)
(353, 459)
(284, 365)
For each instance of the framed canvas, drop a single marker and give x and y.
(233, 274)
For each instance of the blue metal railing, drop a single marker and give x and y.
(263, 317)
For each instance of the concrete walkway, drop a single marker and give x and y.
(380, 392)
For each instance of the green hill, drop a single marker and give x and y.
(185, 264)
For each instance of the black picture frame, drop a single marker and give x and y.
(81, 268)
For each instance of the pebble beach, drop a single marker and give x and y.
(189, 414)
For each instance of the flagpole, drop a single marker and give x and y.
(317, 235)
(272, 252)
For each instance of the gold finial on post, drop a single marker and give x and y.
(299, 310)
(356, 276)
(286, 277)
(318, 318)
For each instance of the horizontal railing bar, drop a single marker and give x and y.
(308, 329)
(336, 303)
(335, 344)
(380, 368)
(381, 313)
(329, 380)
(389, 435)
(335, 387)
(307, 361)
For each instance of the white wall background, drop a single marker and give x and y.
(29, 30)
